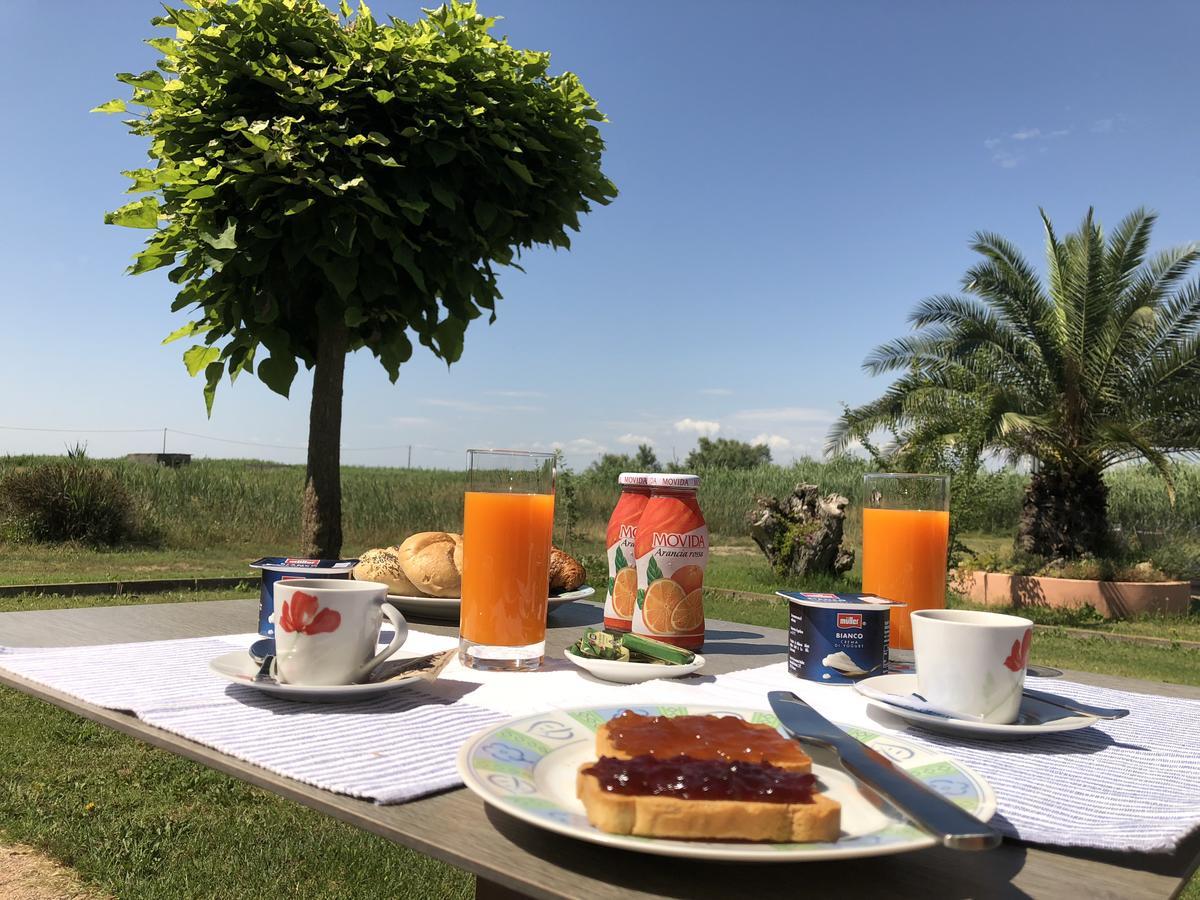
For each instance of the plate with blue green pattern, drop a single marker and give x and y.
(527, 767)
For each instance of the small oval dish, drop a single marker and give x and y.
(632, 672)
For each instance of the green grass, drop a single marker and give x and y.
(141, 822)
(60, 563)
(752, 573)
(1156, 625)
(27, 602)
(246, 503)
(1055, 647)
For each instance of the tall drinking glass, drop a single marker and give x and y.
(508, 520)
(906, 527)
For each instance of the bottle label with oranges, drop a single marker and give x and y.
(622, 575)
(671, 550)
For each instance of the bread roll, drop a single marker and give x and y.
(383, 565)
(432, 560)
(566, 574)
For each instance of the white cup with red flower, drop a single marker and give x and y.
(326, 630)
(971, 664)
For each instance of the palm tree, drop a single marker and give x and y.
(1098, 366)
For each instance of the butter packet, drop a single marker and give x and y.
(599, 644)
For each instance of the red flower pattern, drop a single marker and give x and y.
(302, 613)
(1019, 655)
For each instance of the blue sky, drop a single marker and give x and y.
(794, 177)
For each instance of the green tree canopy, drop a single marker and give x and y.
(607, 467)
(726, 453)
(646, 460)
(1098, 365)
(325, 183)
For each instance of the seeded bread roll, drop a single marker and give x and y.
(566, 574)
(432, 560)
(383, 565)
(732, 820)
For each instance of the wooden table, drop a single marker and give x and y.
(512, 858)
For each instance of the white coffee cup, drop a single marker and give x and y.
(326, 630)
(971, 664)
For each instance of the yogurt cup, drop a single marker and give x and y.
(284, 568)
(837, 638)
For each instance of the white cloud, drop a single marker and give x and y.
(716, 392)
(469, 406)
(409, 421)
(1013, 149)
(785, 414)
(1103, 126)
(777, 442)
(633, 440)
(580, 445)
(698, 426)
(515, 394)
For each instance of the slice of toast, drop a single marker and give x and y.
(759, 741)
(739, 820)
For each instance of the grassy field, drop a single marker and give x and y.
(60, 563)
(141, 822)
(244, 503)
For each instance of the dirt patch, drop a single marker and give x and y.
(734, 550)
(26, 874)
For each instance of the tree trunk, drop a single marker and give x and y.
(801, 534)
(321, 518)
(1064, 514)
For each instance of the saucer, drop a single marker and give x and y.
(632, 672)
(1036, 717)
(447, 609)
(239, 668)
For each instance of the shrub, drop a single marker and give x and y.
(68, 501)
(726, 453)
(1178, 559)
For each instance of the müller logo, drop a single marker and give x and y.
(301, 562)
(849, 620)
(662, 539)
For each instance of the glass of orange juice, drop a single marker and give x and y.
(508, 520)
(906, 528)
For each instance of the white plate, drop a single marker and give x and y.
(1036, 717)
(447, 608)
(526, 767)
(632, 672)
(239, 668)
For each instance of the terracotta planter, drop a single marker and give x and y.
(1112, 599)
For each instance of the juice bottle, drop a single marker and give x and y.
(671, 549)
(622, 572)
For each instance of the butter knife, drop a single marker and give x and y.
(928, 810)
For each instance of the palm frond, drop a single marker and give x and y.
(1178, 316)
(1119, 441)
(1127, 247)
(1099, 364)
